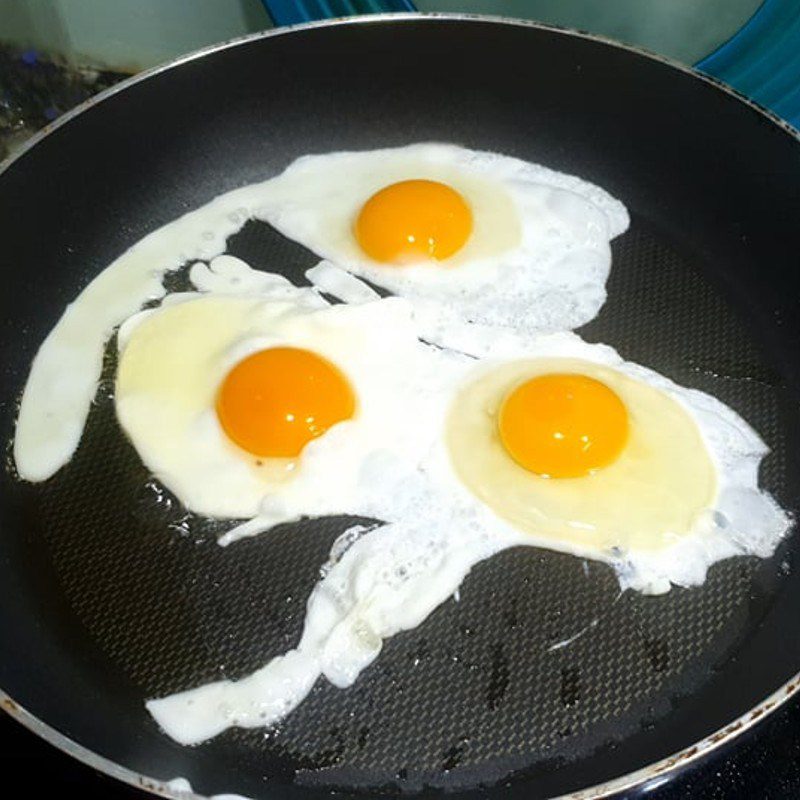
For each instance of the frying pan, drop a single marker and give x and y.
(109, 596)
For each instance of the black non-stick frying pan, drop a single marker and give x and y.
(104, 603)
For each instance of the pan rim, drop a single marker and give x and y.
(648, 777)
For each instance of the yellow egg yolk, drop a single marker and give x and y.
(412, 221)
(274, 402)
(563, 425)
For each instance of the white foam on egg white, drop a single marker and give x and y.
(260, 700)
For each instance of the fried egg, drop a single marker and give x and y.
(558, 444)
(477, 236)
(595, 456)
(253, 399)
(535, 256)
(267, 403)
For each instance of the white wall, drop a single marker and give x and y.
(126, 34)
(132, 34)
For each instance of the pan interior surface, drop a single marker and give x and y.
(541, 675)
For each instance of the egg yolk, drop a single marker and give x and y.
(412, 221)
(274, 402)
(563, 425)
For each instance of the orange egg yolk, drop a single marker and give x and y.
(274, 402)
(414, 220)
(563, 425)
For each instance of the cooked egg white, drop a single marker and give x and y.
(535, 253)
(468, 501)
(421, 449)
(175, 359)
(682, 493)
(537, 257)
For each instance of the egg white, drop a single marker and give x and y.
(537, 259)
(173, 360)
(560, 286)
(388, 579)
(739, 517)
(383, 580)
